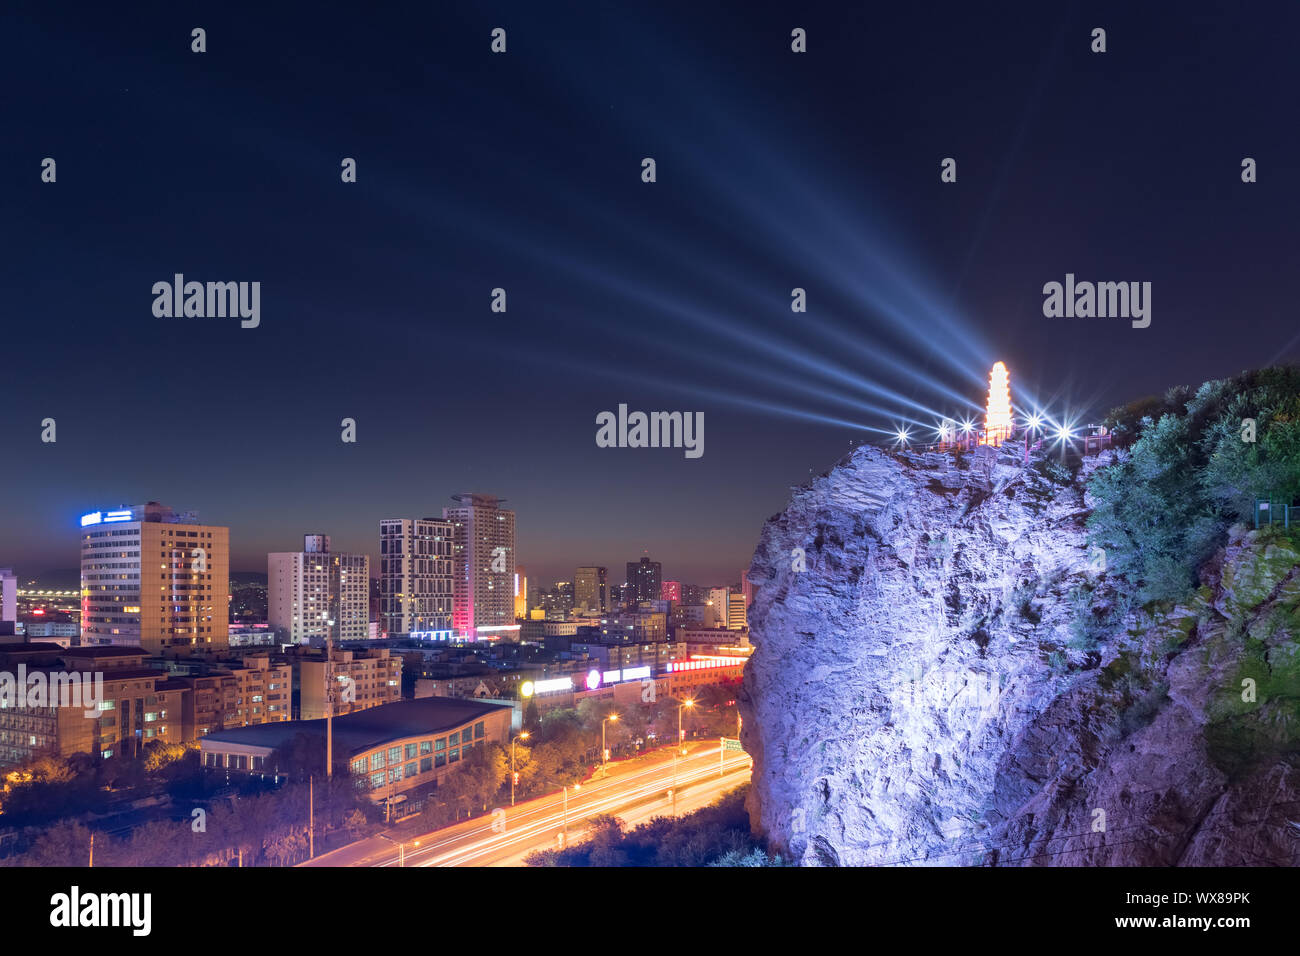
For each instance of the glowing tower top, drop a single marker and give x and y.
(997, 419)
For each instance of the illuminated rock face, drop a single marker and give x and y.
(914, 698)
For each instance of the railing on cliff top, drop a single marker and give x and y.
(1094, 441)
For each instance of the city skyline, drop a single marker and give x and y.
(776, 172)
(245, 561)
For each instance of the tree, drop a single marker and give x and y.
(63, 844)
(1163, 508)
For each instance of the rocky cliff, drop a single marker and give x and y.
(937, 680)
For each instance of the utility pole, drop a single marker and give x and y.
(311, 817)
(329, 708)
(92, 849)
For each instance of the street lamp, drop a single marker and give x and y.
(565, 832)
(678, 748)
(524, 735)
(604, 753)
(401, 851)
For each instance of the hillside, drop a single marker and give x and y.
(988, 662)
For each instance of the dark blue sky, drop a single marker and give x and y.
(522, 170)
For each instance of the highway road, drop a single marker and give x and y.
(635, 791)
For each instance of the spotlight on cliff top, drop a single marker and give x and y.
(901, 436)
(1034, 422)
(997, 419)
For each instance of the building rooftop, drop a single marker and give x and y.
(105, 650)
(367, 729)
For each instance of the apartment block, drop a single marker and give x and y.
(316, 594)
(359, 679)
(416, 577)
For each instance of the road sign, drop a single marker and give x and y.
(730, 744)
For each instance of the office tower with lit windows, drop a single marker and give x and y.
(671, 591)
(154, 578)
(483, 552)
(316, 594)
(416, 577)
(591, 590)
(737, 613)
(644, 578)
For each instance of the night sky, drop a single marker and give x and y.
(523, 171)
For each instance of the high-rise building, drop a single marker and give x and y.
(316, 594)
(559, 599)
(416, 577)
(591, 590)
(154, 578)
(483, 552)
(694, 594)
(718, 601)
(644, 577)
(521, 594)
(746, 588)
(671, 591)
(737, 617)
(8, 595)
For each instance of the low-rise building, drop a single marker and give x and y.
(132, 704)
(390, 750)
(256, 689)
(358, 678)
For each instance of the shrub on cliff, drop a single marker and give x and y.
(1164, 507)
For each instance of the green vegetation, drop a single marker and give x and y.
(1192, 472)
(1165, 506)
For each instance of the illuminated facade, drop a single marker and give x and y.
(521, 594)
(483, 558)
(415, 576)
(155, 579)
(737, 612)
(318, 594)
(404, 746)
